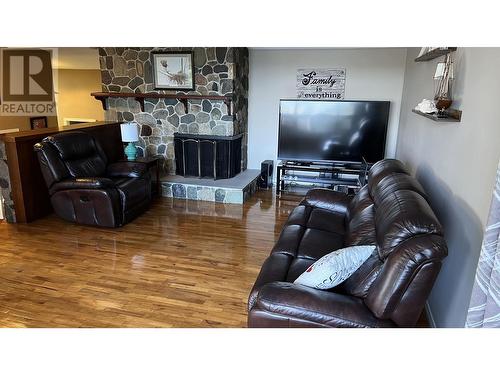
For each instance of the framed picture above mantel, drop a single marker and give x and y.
(173, 71)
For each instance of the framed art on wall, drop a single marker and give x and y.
(38, 122)
(173, 70)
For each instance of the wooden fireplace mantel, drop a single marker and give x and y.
(140, 97)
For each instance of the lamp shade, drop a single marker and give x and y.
(130, 132)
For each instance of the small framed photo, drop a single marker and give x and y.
(173, 70)
(38, 122)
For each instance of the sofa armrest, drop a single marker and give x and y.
(274, 268)
(83, 183)
(328, 200)
(127, 169)
(321, 307)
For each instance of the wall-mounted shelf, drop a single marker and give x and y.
(140, 97)
(454, 115)
(435, 53)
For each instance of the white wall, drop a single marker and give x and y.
(456, 164)
(371, 73)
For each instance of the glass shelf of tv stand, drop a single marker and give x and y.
(345, 177)
(323, 180)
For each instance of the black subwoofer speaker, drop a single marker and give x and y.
(266, 174)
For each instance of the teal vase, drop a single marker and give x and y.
(131, 151)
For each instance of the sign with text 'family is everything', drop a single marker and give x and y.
(321, 83)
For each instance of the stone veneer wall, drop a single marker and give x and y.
(218, 71)
(5, 188)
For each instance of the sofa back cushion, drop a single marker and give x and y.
(402, 215)
(383, 168)
(390, 209)
(393, 182)
(360, 230)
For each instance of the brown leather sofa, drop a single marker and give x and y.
(84, 188)
(389, 290)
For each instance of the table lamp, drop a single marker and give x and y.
(130, 134)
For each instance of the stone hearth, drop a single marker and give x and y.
(232, 190)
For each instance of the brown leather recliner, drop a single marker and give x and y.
(389, 290)
(84, 188)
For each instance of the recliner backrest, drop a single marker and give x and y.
(383, 168)
(78, 151)
(392, 182)
(402, 215)
(392, 212)
(52, 167)
(365, 197)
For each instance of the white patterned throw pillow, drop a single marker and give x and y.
(335, 268)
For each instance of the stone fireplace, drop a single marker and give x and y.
(218, 71)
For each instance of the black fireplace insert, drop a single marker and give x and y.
(211, 156)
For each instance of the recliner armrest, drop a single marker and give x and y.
(83, 183)
(322, 307)
(127, 169)
(327, 199)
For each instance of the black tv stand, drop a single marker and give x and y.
(343, 176)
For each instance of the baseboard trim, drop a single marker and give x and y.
(430, 317)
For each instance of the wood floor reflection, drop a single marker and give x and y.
(181, 264)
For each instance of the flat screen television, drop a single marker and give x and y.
(333, 131)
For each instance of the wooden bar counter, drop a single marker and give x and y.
(29, 192)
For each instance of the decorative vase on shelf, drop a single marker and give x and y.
(442, 104)
(443, 80)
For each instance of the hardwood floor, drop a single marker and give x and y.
(182, 264)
